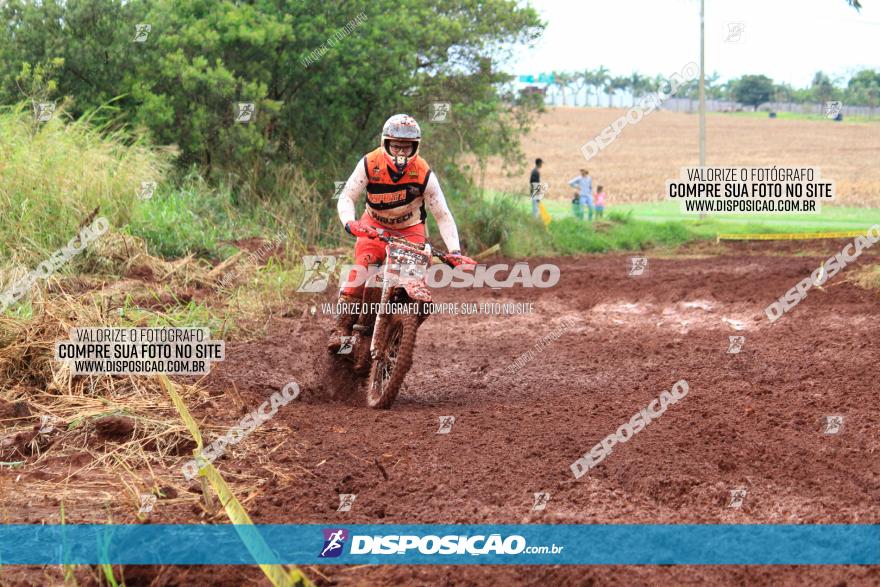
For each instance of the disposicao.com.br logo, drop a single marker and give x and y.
(334, 541)
(452, 544)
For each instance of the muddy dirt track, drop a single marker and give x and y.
(752, 420)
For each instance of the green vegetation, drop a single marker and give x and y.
(318, 115)
(832, 218)
(863, 88)
(522, 235)
(198, 219)
(752, 90)
(322, 77)
(183, 314)
(800, 116)
(632, 227)
(53, 175)
(620, 232)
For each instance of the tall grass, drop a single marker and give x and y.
(617, 234)
(868, 277)
(486, 222)
(501, 219)
(54, 174)
(284, 194)
(191, 218)
(195, 217)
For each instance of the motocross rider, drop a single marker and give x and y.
(398, 183)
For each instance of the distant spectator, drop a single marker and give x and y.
(584, 184)
(600, 202)
(534, 181)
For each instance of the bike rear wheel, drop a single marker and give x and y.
(394, 360)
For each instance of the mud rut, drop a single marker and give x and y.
(752, 419)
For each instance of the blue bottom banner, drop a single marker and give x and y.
(438, 544)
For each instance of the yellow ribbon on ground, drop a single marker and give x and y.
(782, 236)
(545, 216)
(279, 575)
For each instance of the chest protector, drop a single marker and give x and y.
(396, 204)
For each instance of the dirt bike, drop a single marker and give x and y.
(384, 341)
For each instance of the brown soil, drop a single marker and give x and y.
(262, 249)
(752, 420)
(115, 427)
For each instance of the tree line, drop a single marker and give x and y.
(320, 87)
(598, 85)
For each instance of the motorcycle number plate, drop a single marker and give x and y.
(409, 264)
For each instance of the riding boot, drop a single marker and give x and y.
(344, 322)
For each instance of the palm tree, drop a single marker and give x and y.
(600, 78)
(562, 79)
(658, 82)
(586, 77)
(578, 82)
(690, 91)
(637, 86)
(614, 84)
(721, 91)
(550, 92)
(650, 84)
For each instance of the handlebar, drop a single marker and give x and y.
(437, 252)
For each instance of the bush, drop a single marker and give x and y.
(200, 219)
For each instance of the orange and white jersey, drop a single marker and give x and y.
(396, 204)
(400, 203)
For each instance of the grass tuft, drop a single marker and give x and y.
(54, 174)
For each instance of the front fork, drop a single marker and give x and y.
(381, 323)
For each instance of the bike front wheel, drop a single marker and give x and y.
(393, 360)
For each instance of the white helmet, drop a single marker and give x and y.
(401, 127)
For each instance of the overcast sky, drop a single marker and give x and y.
(787, 40)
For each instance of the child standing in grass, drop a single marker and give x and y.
(584, 185)
(600, 202)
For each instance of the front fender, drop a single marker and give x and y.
(417, 290)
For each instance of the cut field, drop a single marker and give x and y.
(635, 167)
